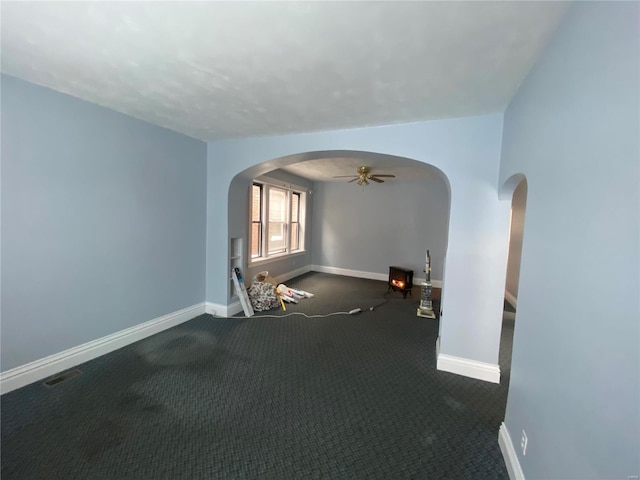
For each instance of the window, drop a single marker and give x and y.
(295, 221)
(278, 212)
(256, 220)
(277, 221)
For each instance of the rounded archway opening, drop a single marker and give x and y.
(513, 190)
(350, 229)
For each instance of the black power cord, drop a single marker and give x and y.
(386, 300)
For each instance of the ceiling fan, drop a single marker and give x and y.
(364, 175)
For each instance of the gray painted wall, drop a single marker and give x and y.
(103, 222)
(572, 129)
(381, 225)
(518, 210)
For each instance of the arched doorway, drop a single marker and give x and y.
(352, 230)
(514, 188)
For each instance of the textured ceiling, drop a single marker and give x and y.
(216, 70)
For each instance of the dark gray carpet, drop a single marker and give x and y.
(348, 396)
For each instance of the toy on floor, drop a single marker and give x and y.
(291, 295)
(241, 291)
(263, 296)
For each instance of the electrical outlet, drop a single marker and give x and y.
(523, 443)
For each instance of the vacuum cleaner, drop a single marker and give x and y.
(425, 309)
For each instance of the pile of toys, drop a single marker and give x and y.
(291, 295)
(265, 294)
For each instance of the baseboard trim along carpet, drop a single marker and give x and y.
(292, 274)
(45, 367)
(509, 454)
(224, 311)
(489, 372)
(370, 275)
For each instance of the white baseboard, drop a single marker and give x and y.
(509, 297)
(489, 372)
(45, 367)
(224, 311)
(509, 454)
(292, 274)
(219, 310)
(212, 308)
(350, 273)
(369, 275)
(234, 309)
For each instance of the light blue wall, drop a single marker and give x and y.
(466, 150)
(370, 229)
(103, 222)
(573, 130)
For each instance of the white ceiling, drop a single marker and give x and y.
(324, 169)
(216, 70)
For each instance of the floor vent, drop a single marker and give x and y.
(61, 377)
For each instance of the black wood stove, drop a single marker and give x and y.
(400, 280)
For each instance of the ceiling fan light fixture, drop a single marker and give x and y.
(364, 175)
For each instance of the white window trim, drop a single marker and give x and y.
(267, 183)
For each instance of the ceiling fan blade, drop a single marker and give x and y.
(364, 175)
